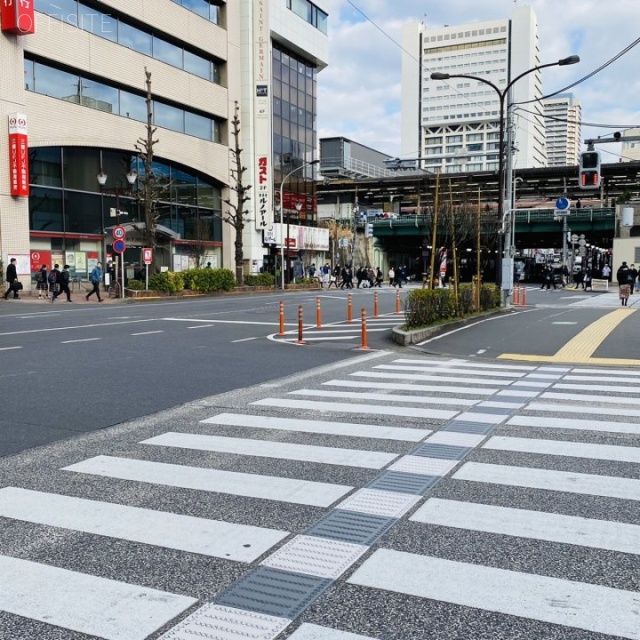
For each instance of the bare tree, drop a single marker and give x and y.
(150, 187)
(236, 215)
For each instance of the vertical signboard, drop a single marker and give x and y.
(263, 191)
(17, 17)
(18, 155)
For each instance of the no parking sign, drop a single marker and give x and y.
(147, 256)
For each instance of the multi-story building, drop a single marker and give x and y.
(74, 88)
(284, 45)
(454, 124)
(630, 148)
(562, 118)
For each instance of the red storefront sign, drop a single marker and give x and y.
(18, 154)
(17, 17)
(38, 258)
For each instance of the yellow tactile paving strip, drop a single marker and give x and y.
(581, 347)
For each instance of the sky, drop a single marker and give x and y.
(359, 92)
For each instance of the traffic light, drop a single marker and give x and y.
(589, 174)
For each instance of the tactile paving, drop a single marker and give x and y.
(350, 526)
(411, 483)
(446, 451)
(424, 466)
(455, 439)
(214, 622)
(389, 504)
(274, 592)
(464, 426)
(315, 556)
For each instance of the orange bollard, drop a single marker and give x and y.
(349, 308)
(318, 314)
(524, 297)
(516, 295)
(281, 333)
(363, 341)
(375, 304)
(398, 303)
(300, 324)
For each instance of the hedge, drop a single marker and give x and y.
(260, 280)
(425, 307)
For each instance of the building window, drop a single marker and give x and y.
(208, 10)
(309, 13)
(72, 87)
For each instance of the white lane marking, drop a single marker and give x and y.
(582, 408)
(87, 604)
(481, 351)
(488, 418)
(426, 378)
(619, 388)
(564, 448)
(238, 542)
(279, 450)
(390, 504)
(544, 376)
(537, 385)
(9, 348)
(574, 423)
(579, 397)
(80, 340)
(573, 604)
(398, 386)
(599, 372)
(320, 426)
(538, 525)
(201, 326)
(445, 364)
(313, 330)
(146, 333)
(81, 326)
(314, 632)
(600, 378)
(317, 494)
(382, 397)
(424, 466)
(550, 480)
(244, 340)
(309, 339)
(345, 407)
(564, 323)
(456, 370)
(491, 404)
(210, 321)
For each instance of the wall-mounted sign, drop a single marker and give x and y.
(17, 17)
(18, 154)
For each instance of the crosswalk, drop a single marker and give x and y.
(398, 498)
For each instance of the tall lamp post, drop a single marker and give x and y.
(283, 240)
(131, 176)
(502, 95)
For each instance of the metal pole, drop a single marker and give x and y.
(564, 241)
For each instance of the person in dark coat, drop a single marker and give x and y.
(547, 278)
(624, 276)
(11, 277)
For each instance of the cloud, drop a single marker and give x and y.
(359, 94)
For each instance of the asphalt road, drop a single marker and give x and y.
(68, 369)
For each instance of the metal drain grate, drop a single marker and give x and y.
(464, 426)
(213, 622)
(445, 451)
(350, 526)
(390, 504)
(274, 593)
(315, 556)
(403, 482)
(503, 411)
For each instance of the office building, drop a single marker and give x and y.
(563, 118)
(454, 124)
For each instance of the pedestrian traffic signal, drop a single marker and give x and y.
(589, 174)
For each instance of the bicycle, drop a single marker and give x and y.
(114, 290)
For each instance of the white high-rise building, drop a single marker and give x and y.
(562, 118)
(454, 124)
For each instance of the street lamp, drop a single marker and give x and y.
(131, 176)
(506, 262)
(283, 241)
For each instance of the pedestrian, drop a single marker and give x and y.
(208, 265)
(53, 280)
(547, 278)
(397, 280)
(325, 275)
(359, 276)
(606, 271)
(95, 279)
(578, 278)
(63, 281)
(111, 272)
(623, 276)
(578, 204)
(41, 282)
(333, 278)
(392, 276)
(11, 278)
(379, 278)
(634, 276)
(588, 279)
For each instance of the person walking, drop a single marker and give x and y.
(11, 278)
(588, 279)
(41, 283)
(96, 279)
(606, 272)
(548, 278)
(634, 276)
(333, 278)
(379, 277)
(623, 276)
(63, 281)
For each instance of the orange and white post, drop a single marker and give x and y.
(300, 339)
(398, 303)
(318, 313)
(281, 317)
(375, 304)
(363, 341)
(349, 308)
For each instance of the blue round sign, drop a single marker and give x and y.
(119, 246)
(562, 204)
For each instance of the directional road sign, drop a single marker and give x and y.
(562, 203)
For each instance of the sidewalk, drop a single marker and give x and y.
(77, 297)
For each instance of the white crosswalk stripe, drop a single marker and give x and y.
(286, 450)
